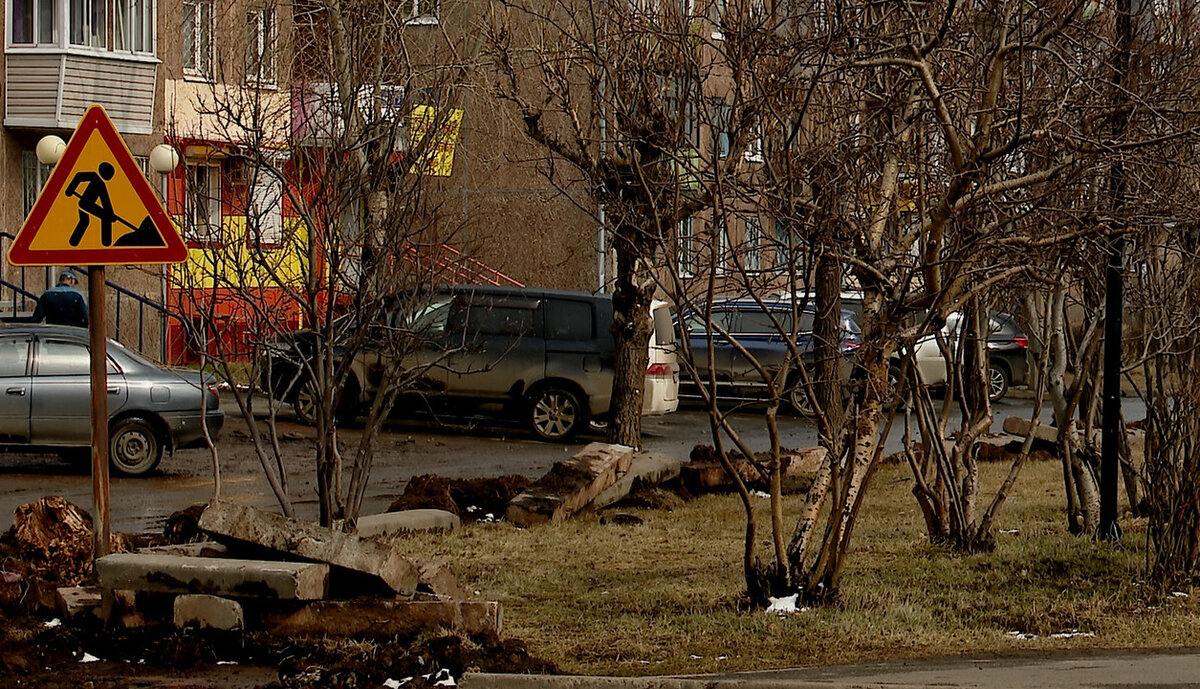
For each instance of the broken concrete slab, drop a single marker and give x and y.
(369, 559)
(570, 484)
(73, 601)
(438, 578)
(703, 475)
(209, 612)
(407, 521)
(1017, 425)
(200, 549)
(383, 618)
(181, 574)
(645, 469)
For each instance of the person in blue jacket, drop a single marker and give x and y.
(63, 304)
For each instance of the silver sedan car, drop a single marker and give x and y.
(46, 399)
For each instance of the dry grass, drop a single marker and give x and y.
(663, 597)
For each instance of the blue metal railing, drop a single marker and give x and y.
(28, 301)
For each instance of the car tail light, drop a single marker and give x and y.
(1022, 342)
(850, 345)
(658, 370)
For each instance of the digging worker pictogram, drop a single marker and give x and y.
(94, 202)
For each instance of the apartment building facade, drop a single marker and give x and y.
(156, 66)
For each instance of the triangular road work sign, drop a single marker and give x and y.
(97, 208)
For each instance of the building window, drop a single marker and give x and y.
(133, 27)
(686, 257)
(720, 127)
(33, 22)
(754, 150)
(33, 177)
(753, 244)
(260, 46)
(89, 23)
(197, 37)
(721, 236)
(422, 11)
(203, 199)
(265, 212)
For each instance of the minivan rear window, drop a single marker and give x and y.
(664, 330)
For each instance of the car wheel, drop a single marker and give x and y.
(133, 447)
(997, 382)
(304, 402)
(556, 414)
(306, 407)
(798, 398)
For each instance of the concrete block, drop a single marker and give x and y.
(383, 618)
(73, 601)
(243, 578)
(570, 484)
(227, 521)
(438, 578)
(209, 612)
(201, 549)
(646, 469)
(1020, 426)
(407, 521)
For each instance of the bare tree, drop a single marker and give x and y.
(336, 233)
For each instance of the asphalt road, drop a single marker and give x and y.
(405, 449)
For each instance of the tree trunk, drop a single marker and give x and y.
(632, 294)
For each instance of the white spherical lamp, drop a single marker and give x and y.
(164, 158)
(50, 149)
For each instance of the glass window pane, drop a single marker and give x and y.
(47, 28)
(57, 358)
(14, 354)
(22, 19)
(189, 36)
(759, 321)
(569, 320)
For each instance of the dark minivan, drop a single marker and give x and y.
(543, 356)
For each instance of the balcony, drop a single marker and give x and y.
(58, 61)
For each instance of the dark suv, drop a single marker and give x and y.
(543, 356)
(760, 332)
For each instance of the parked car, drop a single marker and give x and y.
(1007, 344)
(539, 355)
(761, 333)
(46, 376)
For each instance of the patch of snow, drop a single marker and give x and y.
(760, 494)
(1179, 594)
(1022, 635)
(1013, 532)
(88, 658)
(396, 683)
(53, 623)
(722, 657)
(226, 662)
(1071, 634)
(442, 678)
(784, 605)
(472, 508)
(696, 657)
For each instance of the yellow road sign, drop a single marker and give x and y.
(97, 208)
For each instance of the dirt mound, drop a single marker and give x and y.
(184, 526)
(470, 499)
(421, 664)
